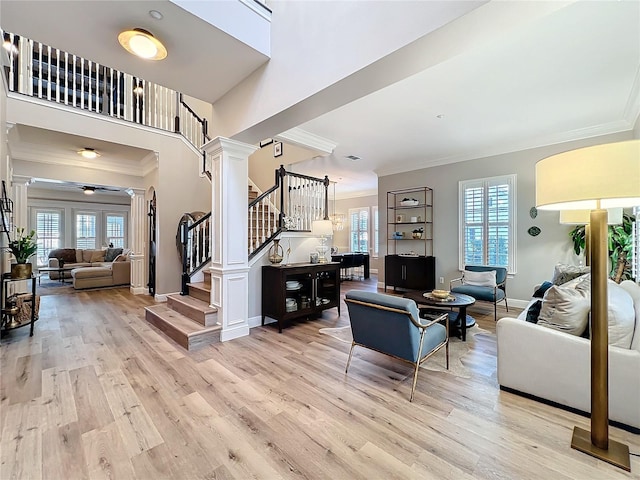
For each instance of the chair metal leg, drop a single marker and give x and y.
(495, 311)
(353, 344)
(415, 379)
(505, 303)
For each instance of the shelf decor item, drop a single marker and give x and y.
(22, 248)
(276, 252)
(417, 233)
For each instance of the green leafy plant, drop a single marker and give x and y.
(620, 245)
(23, 246)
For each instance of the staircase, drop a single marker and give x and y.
(189, 320)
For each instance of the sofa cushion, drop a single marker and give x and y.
(91, 272)
(66, 254)
(111, 254)
(480, 279)
(633, 289)
(566, 309)
(563, 273)
(621, 315)
(480, 293)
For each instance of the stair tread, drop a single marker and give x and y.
(192, 302)
(180, 322)
(200, 286)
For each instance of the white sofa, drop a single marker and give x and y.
(555, 366)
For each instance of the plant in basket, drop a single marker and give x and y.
(23, 247)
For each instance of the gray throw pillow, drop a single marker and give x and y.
(563, 273)
(111, 254)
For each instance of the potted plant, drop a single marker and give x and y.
(22, 248)
(417, 233)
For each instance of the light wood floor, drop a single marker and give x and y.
(98, 393)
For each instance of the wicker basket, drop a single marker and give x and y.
(23, 302)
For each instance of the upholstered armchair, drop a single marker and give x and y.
(391, 325)
(485, 283)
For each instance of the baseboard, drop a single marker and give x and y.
(623, 426)
(139, 290)
(232, 333)
(514, 302)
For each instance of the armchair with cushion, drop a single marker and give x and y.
(484, 283)
(391, 325)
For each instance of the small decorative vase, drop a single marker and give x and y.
(417, 235)
(21, 270)
(276, 253)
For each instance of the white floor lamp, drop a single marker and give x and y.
(594, 178)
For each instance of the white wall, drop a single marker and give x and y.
(536, 256)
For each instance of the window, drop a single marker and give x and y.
(48, 232)
(86, 230)
(359, 229)
(487, 222)
(115, 229)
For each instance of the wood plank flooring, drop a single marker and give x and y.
(99, 393)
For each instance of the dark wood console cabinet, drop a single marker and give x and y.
(312, 288)
(409, 273)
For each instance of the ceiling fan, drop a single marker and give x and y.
(90, 190)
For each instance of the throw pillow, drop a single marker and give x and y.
(111, 254)
(622, 316)
(97, 256)
(563, 273)
(539, 293)
(566, 309)
(534, 312)
(633, 289)
(480, 279)
(86, 255)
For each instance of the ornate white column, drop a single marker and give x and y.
(227, 160)
(19, 185)
(137, 241)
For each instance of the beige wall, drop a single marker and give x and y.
(536, 256)
(263, 164)
(341, 238)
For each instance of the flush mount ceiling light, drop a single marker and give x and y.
(89, 153)
(89, 190)
(142, 44)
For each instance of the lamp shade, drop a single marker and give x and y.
(602, 176)
(581, 217)
(322, 228)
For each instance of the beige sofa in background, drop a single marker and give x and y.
(92, 268)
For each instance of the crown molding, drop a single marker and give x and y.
(306, 139)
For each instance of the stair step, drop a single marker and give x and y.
(181, 329)
(207, 278)
(200, 290)
(195, 309)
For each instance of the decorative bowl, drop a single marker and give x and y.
(442, 294)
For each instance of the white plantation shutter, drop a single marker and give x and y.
(86, 230)
(115, 229)
(376, 231)
(48, 232)
(487, 222)
(359, 229)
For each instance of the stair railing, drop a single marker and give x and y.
(42, 71)
(301, 199)
(195, 239)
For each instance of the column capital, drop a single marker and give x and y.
(225, 145)
(132, 192)
(21, 180)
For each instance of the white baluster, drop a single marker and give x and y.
(66, 78)
(48, 72)
(75, 92)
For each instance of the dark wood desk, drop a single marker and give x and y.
(459, 320)
(340, 258)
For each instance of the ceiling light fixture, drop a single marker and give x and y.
(142, 44)
(89, 190)
(89, 153)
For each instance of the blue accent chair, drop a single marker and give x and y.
(392, 325)
(487, 294)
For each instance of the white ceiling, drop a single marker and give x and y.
(571, 74)
(203, 61)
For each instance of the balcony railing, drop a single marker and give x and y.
(42, 71)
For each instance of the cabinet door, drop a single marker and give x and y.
(420, 273)
(393, 270)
